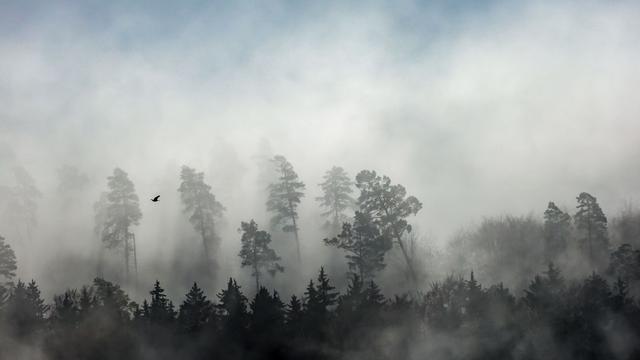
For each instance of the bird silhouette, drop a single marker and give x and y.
(155, 199)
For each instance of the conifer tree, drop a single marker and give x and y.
(389, 207)
(364, 244)
(256, 251)
(325, 291)
(161, 309)
(202, 207)
(284, 198)
(7, 262)
(25, 310)
(122, 212)
(233, 310)
(267, 314)
(294, 316)
(336, 198)
(195, 311)
(557, 227)
(592, 223)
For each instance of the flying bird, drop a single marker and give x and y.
(155, 199)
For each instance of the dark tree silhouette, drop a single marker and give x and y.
(203, 209)
(25, 310)
(557, 229)
(122, 212)
(336, 198)
(284, 198)
(195, 311)
(364, 244)
(233, 311)
(256, 252)
(389, 207)
(161, 309)
(592, 224)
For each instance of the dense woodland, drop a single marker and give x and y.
(564, 285)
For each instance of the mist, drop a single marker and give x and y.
(481, 110)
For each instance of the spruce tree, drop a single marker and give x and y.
(294, 316)
(161, 309)
(203, 209)
(267, 314)
(364, 244)
(592, 223)
(336, 198)
(122, 212)
(232, 307)
(256, 251)
(195, 311)
(284, 198)
(25, 310)
(389, 207)
(557, 228)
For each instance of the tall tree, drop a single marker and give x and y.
(592, 223)
(7, 261)
(284, 198)
(389, 206)
(336, 198)
(203, 208)
(365, 245)
(161, 310)
(233, 311)
(195, 311)
(122, 212)
(267, 316)
(557, 227)
(256, 252)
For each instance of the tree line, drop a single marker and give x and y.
(455, 318)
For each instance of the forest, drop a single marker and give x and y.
(335, 180)
(564, 286)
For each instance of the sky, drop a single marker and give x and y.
(477, 108)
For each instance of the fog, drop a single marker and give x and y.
(477, 109)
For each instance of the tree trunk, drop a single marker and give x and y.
(295, 230)
(126, 257)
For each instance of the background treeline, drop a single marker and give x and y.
(581, 304)
(456, 318)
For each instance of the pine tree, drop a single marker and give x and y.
(202, 207)
(592, 223)
(111, 300)
(475, 298)
(256, 252)
(557, 227)
(336, 198)
(25, 309)
(7, 262)
(122, 212)
(161, 309)
(364, 244)
(389, 207)
(325, 291)
(267, 314)
(294, 317)
(195, 311)
(284, 198)
(233, 310)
